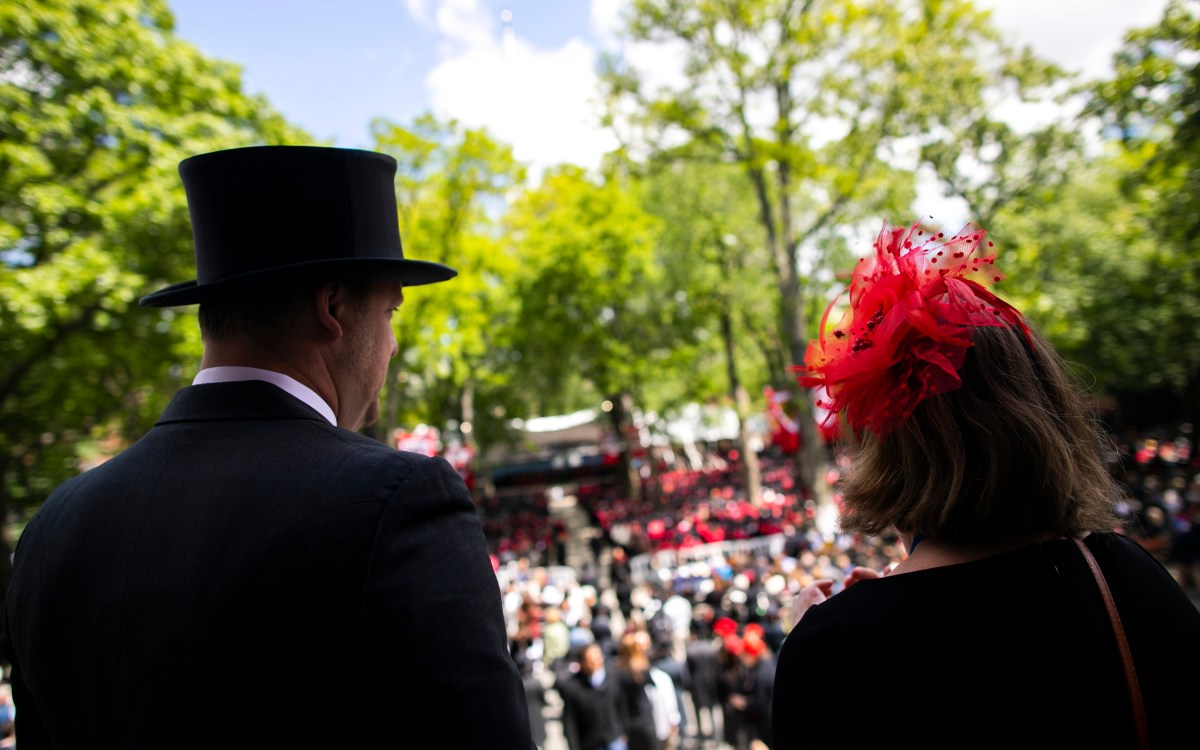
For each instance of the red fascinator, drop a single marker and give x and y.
(906, 332)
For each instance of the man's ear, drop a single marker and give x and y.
(329, 305)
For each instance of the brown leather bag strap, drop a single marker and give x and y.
(1135, 692)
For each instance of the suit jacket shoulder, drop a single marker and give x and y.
(246, 548)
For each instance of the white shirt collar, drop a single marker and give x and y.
(234, 373)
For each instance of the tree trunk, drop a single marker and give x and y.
(751, 472)
(812, 454)
(467, 409)
(791, 321)
(622, 421)
(6, 547)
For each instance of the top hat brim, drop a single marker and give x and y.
(408, 272)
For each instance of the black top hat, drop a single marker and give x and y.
(272, 216)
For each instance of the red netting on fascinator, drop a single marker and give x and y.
(905, 335)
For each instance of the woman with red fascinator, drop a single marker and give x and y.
(1018, 619)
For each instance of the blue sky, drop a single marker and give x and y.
(331, 66)
(330, 71)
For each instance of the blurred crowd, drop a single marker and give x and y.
(663, 633)
(682, 658)
(1160, 472)
(682, 508)
(678, 509)
(679, 651)
(517, 526)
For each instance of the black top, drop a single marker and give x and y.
(635, 711)
(1014, 650)
(248, 575)
(703, 670)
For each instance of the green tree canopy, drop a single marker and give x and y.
(99, 101)
(588, 319)
(710, 250)
(1108, 264)
(1152, 107)
(453, 184)
(826, 105)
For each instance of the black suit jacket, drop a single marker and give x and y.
(590, 719)
(249, 574)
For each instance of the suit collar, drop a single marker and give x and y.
(248, 399)
(286, 383)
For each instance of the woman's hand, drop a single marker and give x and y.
(814, 593)
(860, 574)
(822, 588)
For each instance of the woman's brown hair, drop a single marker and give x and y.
(1010, 453)
(632, 656)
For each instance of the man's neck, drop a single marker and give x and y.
(309, 371)
(286, 383)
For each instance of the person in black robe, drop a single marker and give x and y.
(621, 576)
(634, 706)
(703, 669)
(589, 693)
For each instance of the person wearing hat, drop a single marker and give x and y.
(1018, 618)
(252, 546)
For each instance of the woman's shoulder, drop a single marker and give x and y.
(1122, 561)
(825, 662)
(1144, 591)
(904, 604)
(851, 622)
(1123, 551)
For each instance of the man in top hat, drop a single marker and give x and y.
(253, 572)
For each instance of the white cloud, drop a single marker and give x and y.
(542, 101)
(606, 18)
(948, 212)
(419, 10)
(1079, 35)
(659, 64)
(464, 22)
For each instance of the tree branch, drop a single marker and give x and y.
(57, 334)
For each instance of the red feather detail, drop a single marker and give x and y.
(905, 335)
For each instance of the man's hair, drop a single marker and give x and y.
(267, 318)
(1008, 454)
